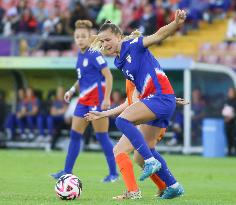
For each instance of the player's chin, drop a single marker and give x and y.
(109, 52)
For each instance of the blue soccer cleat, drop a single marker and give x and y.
(150, 168)
(171, 192)
(110, 178)
(58, 174)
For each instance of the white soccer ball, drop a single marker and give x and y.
(68, 187)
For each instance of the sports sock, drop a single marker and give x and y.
(158, 182)
(73, 151)
(134, 136)
(107, 148)
(126, 169)
(164, 173)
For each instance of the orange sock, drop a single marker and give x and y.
(126, 169)
(159, 183)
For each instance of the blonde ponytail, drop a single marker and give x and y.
(134, 34)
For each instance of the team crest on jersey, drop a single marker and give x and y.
(85, 62)
(129, 59)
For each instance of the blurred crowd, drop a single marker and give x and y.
(56, 18)
(224, 52)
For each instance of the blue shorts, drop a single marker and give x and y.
(81, 110)
(163, 106)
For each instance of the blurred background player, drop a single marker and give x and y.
(94, 85)
(57, 111)
(17, 117)
(33, 117)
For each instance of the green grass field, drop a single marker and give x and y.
(24, 179)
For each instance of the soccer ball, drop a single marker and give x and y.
(68, 187)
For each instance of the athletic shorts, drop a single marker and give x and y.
(81, 110)
(163, 106)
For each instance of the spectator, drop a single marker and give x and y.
(198, 113)
(27, 22)
(10, 22)
(79, 12)
(229, 115)
(231, 29)
(148, 20)
(23, 47)
(218, 8)
(195, 9)
(65, 20)
(49, 27)
(41, 13)
(110, 11)
(160, 14)
(136, 16)
(128, 7)
(59, 31)
(2, 13)
(93, 7)
(22, 6)
(57, 111)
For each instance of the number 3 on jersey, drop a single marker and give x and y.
(78, 73)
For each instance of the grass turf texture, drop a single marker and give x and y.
(24, 179)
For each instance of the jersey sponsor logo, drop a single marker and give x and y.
(129, 59)
(134, 41)
(85, 62)
(100, 60)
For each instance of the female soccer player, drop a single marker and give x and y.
(94, 84)
(124, 147)
(157, 102)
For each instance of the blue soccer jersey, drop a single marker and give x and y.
(91, 81)
(140, 66)
(30, 103)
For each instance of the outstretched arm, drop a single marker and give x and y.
(95, 115)
(165, 31)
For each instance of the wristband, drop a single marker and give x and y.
(72, 89)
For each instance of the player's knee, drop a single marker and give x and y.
(116, 150)
(120, 122)
(152, 143)
(74, 135)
